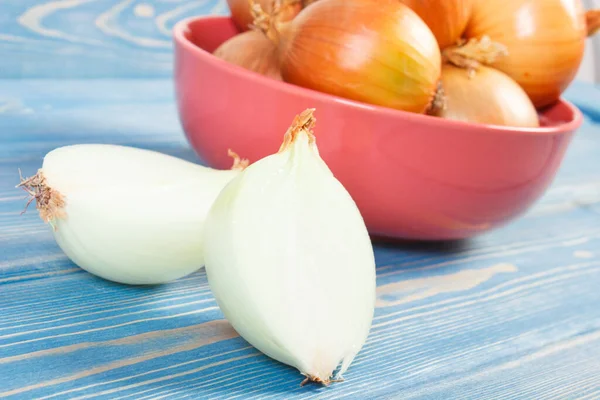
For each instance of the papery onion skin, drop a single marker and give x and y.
(374, 51)
(242, 17)
(592, 20)
(488, 97)
(253, 51)
(545, 41)
(447, 19)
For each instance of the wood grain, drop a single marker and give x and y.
(511, 314)
(92, 38)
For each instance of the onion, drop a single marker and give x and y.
(545, 41)
(592, 18)
(274, 241)
(242, 16)
(118, 212)
(375, 51)
(447, 19)
(255, 49)
(487, 97)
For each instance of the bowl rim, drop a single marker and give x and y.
(183, 26)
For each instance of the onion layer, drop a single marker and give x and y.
(375, 51)
(488, 97)
(545, 41)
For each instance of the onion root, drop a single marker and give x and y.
(438, 103)
(316, 379)
(49, 202)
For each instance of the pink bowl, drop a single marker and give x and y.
(412, 176)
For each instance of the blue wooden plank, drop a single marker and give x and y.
(510, 314)
(92, 38)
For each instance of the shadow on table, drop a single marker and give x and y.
(395, 254)
(439, 247)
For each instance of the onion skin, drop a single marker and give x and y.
(242, 17)
(447, 19)
(374, 51)
(545, 41)
(592, 18)
(252, 50)
(488, 97)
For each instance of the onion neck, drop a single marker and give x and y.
(473, 53)
(269, 23)
(303, 124)
(283, 31)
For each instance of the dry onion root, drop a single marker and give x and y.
(49, 202)
(125, 214)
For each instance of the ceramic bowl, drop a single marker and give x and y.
(412, 176)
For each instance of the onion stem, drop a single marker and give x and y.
(304, 122)
(268, 23)
(470, 54)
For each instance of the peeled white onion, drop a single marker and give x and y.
(125, 214)
(289, 259)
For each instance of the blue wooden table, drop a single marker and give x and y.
(512, 314)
